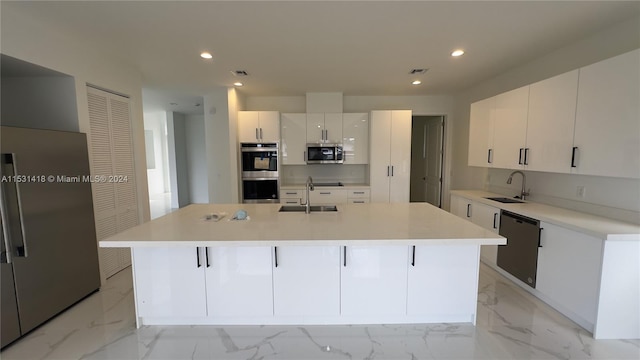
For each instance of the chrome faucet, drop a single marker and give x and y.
(307, 204)
(523, 193)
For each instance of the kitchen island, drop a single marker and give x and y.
(363, 264)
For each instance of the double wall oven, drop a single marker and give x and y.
(260, 172)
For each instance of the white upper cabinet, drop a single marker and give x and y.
(607, 130)
(510, 131)
(324, 128)
(258, 126)
(552, 113)
(355, 138)
(481, 124)
(390, 158)
(293, 129)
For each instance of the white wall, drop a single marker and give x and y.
(157, 178)
(221, 134)
(40, 103)
(615, 198)
(196, 159)
(177, 148)
(39, 42)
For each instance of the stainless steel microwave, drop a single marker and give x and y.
(324, 154)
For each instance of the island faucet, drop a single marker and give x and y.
(523, 192)
(307, 204)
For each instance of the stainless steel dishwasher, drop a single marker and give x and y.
(520, 256)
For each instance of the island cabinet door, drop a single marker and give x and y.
(306, 281)
(374, 280)
(239, 281)
(443, 282)
(169, 282)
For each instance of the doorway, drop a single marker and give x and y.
(427, 151)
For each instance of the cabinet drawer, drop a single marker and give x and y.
(358, 193)
(288, 193)
(358, 201)
(323, 196)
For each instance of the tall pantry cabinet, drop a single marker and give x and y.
(390, 163)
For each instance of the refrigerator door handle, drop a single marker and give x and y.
(12, 207)
(5, 254)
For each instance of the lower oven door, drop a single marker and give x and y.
(260, 191)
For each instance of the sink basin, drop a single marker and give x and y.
(314, 208)
(505, 200)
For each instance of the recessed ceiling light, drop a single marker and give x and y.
(238, 84)
(457, 53)
(416, 82)
(206, 55)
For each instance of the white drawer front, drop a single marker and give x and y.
(359, 201)
(358, 193)
(322, 196)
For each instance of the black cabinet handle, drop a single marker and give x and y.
(325, 193)
(468, 210)
(573, 156)
(388, 170)
(495, 218)
(275, 254)
(198, 257)
(413, 256)
(526, 156)
(206, 255)
(520, 156)
(489, 155)
(344, 256)
(391, 170)
(540, 237)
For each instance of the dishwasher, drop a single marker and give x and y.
(520, 256)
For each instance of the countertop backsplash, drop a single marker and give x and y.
(346, 174)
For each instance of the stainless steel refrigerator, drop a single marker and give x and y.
(49, 258)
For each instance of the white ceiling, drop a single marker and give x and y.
(293, 47)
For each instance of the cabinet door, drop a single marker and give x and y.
(239, 281)
(489, 218)
(315, 128)
(293, 129)
(248, 126)
(380, 156)
(374, 280)
(170, 281)
(399, 186)
(552, 115)
(574, 287)
(607, 131)
(269, 129)
(443, 279)
(355, 138)
(306, 280)
(481, 123)
(461, 207)
(333, 128)
(510, 128)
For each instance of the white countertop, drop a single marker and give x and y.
(603, 228)
(344, 186)
(352, 224)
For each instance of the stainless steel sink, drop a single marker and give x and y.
(314, 208)
(505, 200)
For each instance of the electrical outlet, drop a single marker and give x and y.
(581, 192)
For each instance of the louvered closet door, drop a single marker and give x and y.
(112, 159)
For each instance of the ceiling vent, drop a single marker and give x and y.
(239, 73)
(418, 71)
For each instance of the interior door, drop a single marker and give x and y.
(426, 159)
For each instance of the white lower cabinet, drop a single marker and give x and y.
(442, 282)
(489, 218)
(239, 281)
(574, 287)
(461, 207)
(374, 280)
(306, 281)
(328, 197)
(170, 282)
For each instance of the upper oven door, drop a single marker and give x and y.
(259, 162)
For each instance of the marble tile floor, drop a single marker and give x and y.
(511, 324)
